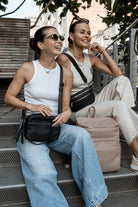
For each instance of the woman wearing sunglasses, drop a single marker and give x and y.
(116, 99)
(40, 79)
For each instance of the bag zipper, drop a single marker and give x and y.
(81, 94)
(78, 100)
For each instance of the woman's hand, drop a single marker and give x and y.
(96, 48)
(110, 68)
(62, 118)
(43, 109)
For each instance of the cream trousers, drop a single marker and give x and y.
(116, 100)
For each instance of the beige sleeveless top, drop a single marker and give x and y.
(85, 66)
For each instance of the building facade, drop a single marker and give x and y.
(100, 32)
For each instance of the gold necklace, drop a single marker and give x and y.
(47, 71)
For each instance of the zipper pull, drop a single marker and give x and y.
(71, 104)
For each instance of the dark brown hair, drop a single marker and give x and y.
(39, 37)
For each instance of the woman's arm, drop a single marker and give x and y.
(65, 115)
(111, 68)
(14, 88)
(64, 61)
(22, 76)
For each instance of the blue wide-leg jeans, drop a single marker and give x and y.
(41, 176)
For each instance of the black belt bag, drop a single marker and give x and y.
(82, 98)
(38, 128)
(85, 96)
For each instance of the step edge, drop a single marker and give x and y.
(9, 123)
(8, 149)
(24, 185)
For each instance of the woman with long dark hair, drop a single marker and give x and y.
(41, 79)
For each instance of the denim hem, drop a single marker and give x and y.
(95, 201)
(98, 202)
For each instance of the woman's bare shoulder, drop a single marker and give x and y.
(63, 60)
(25, 70)
(62, 57)
(26, 66)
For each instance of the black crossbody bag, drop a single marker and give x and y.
(85, 96)
(37, 128)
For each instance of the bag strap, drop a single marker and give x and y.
(77, 67)
(60, 90)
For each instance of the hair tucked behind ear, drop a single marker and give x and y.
(34, 46)
(39, 37)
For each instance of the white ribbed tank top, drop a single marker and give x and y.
(86, 68)
(43, 88)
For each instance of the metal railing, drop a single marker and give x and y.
(132, 68)
(124, 32)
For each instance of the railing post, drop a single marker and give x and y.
(105, 76)
(108, 78)
(133, 62)
(115, 53)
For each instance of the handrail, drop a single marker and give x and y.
(132, 25)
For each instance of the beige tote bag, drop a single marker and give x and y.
(105, 134)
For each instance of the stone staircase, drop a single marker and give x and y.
(122, 185)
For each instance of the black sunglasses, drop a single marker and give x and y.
(55, 37)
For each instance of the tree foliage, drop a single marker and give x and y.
(71, 5)
(13, 10)
(123, 13)
(67, 5)
(3, 4)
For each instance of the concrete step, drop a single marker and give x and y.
(120, 199)
(9, 154)
(13, 189)
(9, 114)
(9, 129)
(8, 150)
(73, 202)
(125, 149)
(122, 185)
(123, 180)
(9, 122)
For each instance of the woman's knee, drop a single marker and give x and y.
(122, 79)
(40, 170)
(119, 106)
